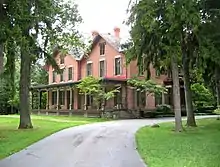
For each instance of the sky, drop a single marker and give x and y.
(103, 16)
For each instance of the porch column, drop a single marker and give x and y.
(71, 98)
(58, 103)
(163, 98)
(65, 98)
(39, 101)
(48, 106)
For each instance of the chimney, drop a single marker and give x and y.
(94, 34)
(117, 32)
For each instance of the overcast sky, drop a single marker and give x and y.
(103, 15)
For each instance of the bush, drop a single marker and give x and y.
(217, 111)
(205, 109)
(163, 108)
(202, 97)
(5, 99)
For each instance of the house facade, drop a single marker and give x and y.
(105, 61)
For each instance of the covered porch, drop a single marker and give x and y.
(66, 99)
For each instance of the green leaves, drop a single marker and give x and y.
(92, 86)
(148, 86)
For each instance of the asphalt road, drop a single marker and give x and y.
(108, 144)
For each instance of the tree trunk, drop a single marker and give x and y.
(188, 92)
(1, 59)
(176, 94)
(25, 119)
(217, 83)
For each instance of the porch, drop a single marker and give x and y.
(66, 99)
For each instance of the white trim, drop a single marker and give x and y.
(63, 66)
(121, 72)
(118, 56)
(71, 66)
(89, 62)
(102, 59)
(104, 72)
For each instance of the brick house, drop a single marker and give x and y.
(105, 60)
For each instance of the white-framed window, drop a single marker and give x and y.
(89, 68)
(62, 75)
(118, 65)
(70, 73)
(102, 48)
(54, 74)
(102, 68)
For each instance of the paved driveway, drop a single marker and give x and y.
(108, 144)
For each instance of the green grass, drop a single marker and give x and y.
(196, 147)
(13, 140)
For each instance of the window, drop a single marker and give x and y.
(62, 98)
(102, 48)
(54, 76)
(70, 73)
(117, 66)
(61, 75)
(89, 69)
(54, 98)
(61, 59)
(101, 68)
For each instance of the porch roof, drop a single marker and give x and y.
(64, 84)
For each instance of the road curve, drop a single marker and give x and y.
(107, 144)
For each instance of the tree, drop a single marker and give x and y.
(147, 86)
(37, 27)
(154, 40)
(91, 86)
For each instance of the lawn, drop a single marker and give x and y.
(13, 140)
(196, 147)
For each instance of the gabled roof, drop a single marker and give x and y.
(112, 40)
(78, 53)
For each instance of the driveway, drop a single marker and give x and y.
(108, 144)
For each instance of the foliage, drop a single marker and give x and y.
(148, 86)
(164, 108)
(217, 111)
(4, 96)
(33, 30)
(92, 86)
(39, 75)
(201, 96)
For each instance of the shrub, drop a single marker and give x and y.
(205, 109)
(164, 108)
(202, 97)
(217, 111)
